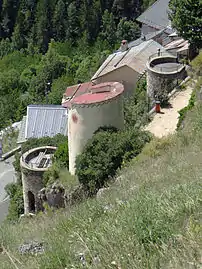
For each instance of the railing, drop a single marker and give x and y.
(161, 54)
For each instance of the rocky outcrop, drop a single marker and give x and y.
(53, 195)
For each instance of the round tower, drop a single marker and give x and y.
(163, 73)
(101, 105)
(33, 164)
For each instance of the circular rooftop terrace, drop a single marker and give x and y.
(163, 63)
(38, 159)
(99, 93)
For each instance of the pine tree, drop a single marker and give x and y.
(19, 33)
(108, 32)
(128, 30)
(8, 16)
(43, 24)
(60, 21)
(91, 19)
(73, 23)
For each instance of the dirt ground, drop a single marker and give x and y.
(165, 123)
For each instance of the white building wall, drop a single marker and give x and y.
(125, 75)
(84, 121)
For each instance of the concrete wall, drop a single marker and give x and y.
(84, 120)
(126, 75)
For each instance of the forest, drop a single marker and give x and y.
(47, 45)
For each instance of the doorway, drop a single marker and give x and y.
(31, 200)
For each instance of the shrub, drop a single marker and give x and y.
(61, 155)
(104, 153)
(51, 175)
(16, 206)
(196, 65)
(137, 106)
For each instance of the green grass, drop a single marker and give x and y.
(150, 218)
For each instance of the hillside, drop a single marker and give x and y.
(46, 46)
(150, 218)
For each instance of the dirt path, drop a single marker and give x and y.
(166, 123)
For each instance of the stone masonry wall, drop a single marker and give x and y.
(32, 181)
(160, 85)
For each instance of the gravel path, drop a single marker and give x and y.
(165, 122)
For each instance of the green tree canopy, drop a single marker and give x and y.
(128, 30)
(186, 18)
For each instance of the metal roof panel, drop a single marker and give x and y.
(45, 120)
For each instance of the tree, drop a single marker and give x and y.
(108, 32)
(91, 19)
(19, 35)
(8, 15)
(60, 20)
(186, 18)
(52, 66)
(128, 30)
(42, 29)
(73, 23)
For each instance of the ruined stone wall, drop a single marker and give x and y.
(32, 182)
(32, 178)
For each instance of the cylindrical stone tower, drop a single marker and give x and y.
(33, 164)
(101, 105)
(163, 71)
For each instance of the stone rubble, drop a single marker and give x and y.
(33, 248)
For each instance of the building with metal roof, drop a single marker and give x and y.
(159, 36)
(127, 66)
(156, 18)
(43, 120)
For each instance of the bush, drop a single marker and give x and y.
(16, 206)
(51, 175)
(136, 108)
(61, 155)
(44, 141)
(104, 153)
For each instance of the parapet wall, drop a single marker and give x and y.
(163, 73)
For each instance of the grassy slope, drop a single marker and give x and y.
(152, 218)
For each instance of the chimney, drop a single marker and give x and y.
(124, 45)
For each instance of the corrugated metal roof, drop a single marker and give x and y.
(135, 58)
(43, 120)
(157, 16)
